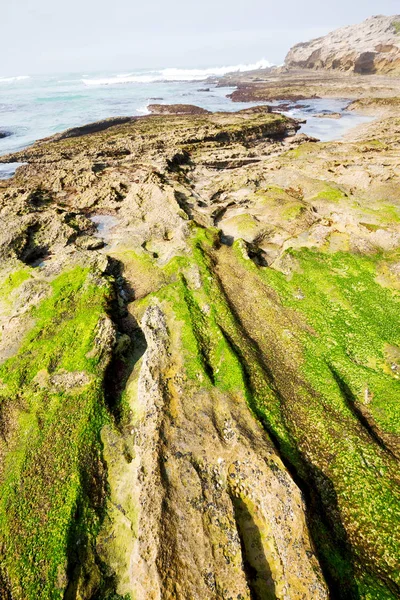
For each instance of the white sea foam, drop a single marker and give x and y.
(68, 80)
(173, 74)
(12, 79)
(143, 110)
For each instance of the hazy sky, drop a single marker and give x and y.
(80, 35)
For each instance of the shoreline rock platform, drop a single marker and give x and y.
(200, 355)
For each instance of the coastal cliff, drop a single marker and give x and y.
(369, 47)
(200, 361)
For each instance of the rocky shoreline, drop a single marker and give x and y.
(245, 443)
(303, 84)
(200, 354)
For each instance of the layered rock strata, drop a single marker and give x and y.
(372, 46)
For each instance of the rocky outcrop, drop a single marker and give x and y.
(328, 115)
(306, 84)
(370, 47)
(376, 106)
(176, 109)
(90, 128)
(207, 406)
(219, 506)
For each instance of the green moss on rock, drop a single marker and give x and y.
(50, 503)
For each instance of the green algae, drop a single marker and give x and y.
(308, 348)
(244, 224)
(334, 321)
(47, 504)
(340, 320)
(389, 213)
(206, 352)
(396, 26)
(303, 150)
(350, 319)
(292, 211)
(353, 315)
(330, 193)
(12, 281)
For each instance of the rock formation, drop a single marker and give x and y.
(205, 408)
(176, 109)
(370, 47)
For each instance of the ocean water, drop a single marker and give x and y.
(33, 107)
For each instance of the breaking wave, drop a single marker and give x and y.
(12, 79)
(173, 74)
(143, 110)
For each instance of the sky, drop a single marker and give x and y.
(53, 36)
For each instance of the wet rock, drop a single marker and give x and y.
(212, 481)
(376, 106)
(89, 243)
(260, 92)
(64, 380)
(176, 109)
(104, 341)
(244, 414)
(328, 115)
(96, 127)
(301, 138)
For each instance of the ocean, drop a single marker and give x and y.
(33, 107)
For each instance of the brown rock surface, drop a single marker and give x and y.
(176, 109)
(376, 106)
(247, 446)
(293, 85)
(369, 47)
